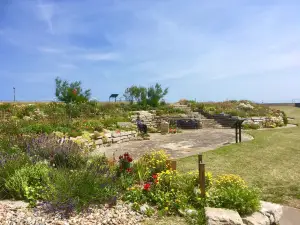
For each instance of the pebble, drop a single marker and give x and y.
(121, 214)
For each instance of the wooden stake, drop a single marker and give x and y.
(202, 178)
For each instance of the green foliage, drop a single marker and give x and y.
(285, 118)
(146, 96)
(250, 126)
(9, 163)
(71, 92)
(136, 94)
(31, 183)
(155, 94)
(231, 192)
(82, 188)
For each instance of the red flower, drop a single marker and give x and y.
(129, 159)
(74, 91)
(156, 181)
(126, 154)
(147, 186)
(129, 170)
(120, 157)
(154, 176)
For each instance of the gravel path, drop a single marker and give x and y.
(15, 213)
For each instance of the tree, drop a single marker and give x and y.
(136, 94)
(145, 96)
(71, 92)
(155, 94)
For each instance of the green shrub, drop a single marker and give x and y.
(30, 183)
(231, 192)
(285, 118)
(250, 126)
(9, 163)
(82, 188)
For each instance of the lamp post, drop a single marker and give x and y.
(14, 94)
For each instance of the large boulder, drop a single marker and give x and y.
(272, 211)
(256, 218)
(215, 216)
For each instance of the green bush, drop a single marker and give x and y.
(9, 163)
(285, 118)
(250, 126)
(30, 183)
(231, 192)
(82, 188)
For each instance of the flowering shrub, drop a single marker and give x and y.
(59, 152)
(155, 162)
(231, 192)
(125, 161)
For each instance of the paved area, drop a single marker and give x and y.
(190, 142)
(291, 216)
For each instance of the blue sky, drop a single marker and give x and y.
(204, 50)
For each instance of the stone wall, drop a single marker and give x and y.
(107, 138)
(154, 121)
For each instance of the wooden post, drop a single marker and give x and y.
(236, 132)
(199, 158)
(202, 178)
(240, 132)
(172, 164)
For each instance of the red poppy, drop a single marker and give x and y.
(154, 176)
(147, 186)
(156, 181)
(129, 170)
(126, 154)
(129, 159)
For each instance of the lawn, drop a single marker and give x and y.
(270, 161)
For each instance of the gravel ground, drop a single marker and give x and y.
(15, 214)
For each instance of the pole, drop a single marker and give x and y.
(202, 178)
(236, 132)
(14, 94)
(240, 131)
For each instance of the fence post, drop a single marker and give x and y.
(172, 164)
(236, 132)
(201, 167)
(240, 132)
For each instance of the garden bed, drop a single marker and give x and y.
(255, 115)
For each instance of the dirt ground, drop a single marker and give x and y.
(188, 143)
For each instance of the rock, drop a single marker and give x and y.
(216, 216)
(191, 212)
(107, 135)
(99, 142)
(116, 134)
(144, 208)
(256, 218)
(272, 211)
(115, 140)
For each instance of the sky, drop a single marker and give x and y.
(205, 50)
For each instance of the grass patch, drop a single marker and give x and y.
(270, 162)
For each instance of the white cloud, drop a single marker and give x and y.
(68, 66)
(50, 50)
(100, 56)
(46, 13)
